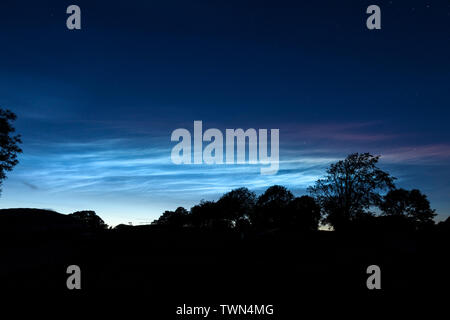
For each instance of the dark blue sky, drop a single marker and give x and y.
(97, 106)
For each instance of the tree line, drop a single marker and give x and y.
(354, 193)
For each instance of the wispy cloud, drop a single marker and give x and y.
(30, 185)
(111, 166)
(435, 153)
(343, 132)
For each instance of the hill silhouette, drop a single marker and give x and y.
(35, 220)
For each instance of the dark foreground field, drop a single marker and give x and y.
(192, 266)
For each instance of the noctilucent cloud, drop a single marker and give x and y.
(96, 106)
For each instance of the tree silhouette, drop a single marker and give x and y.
(271, 206)
(303, 213)
(208, 215)
(177, 218)
(412, 204)
(90, 219)
(350, 188)
(444, 226)
(345, 198)
(9, 144)
(237, 206)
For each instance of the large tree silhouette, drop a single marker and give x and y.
(9, 144)
(350, 188)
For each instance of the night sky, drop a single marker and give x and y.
(96, 106)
